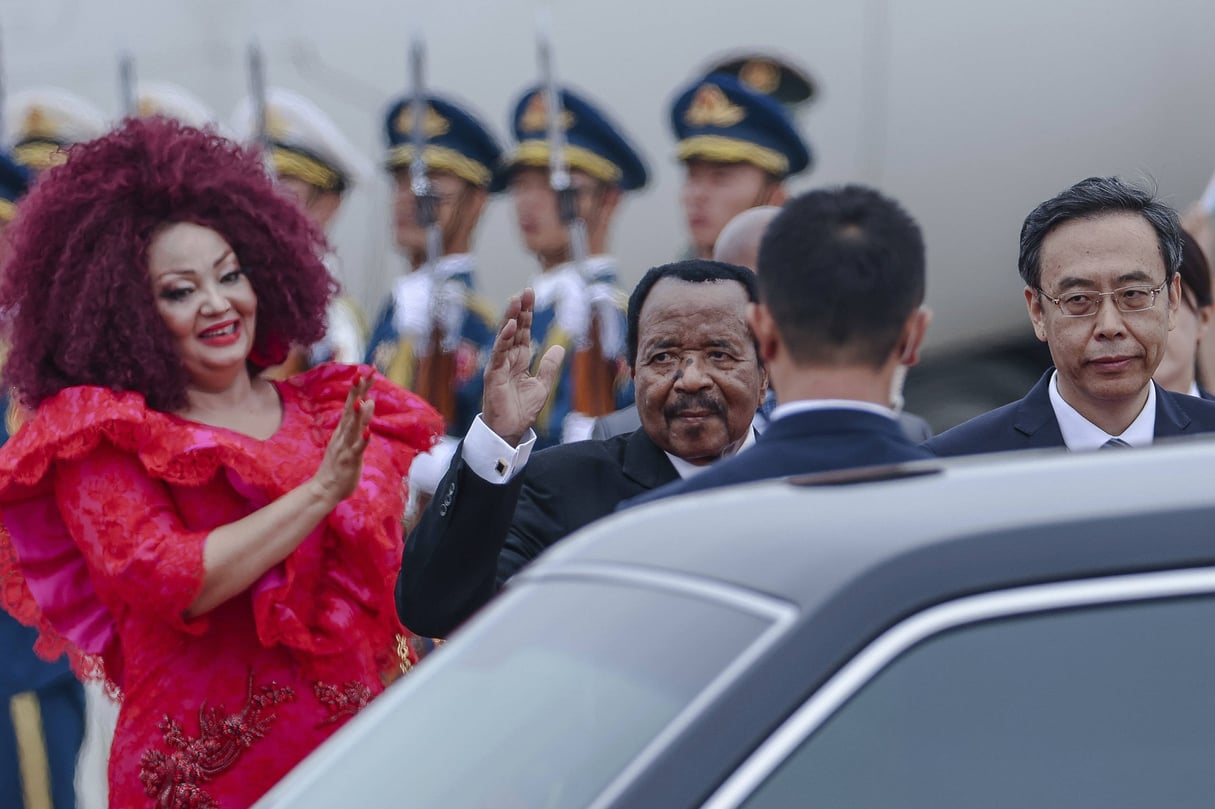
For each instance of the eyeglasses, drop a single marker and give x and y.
(1086, 302)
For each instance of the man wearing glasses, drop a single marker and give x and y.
(1100, 265)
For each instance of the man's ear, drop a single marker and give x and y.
(1033, 304)
(476, 199)
(762, 325)
(778, 195)
(913, 336)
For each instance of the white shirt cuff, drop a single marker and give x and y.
(428, 468)
(490, 457)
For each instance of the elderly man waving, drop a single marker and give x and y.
(698, 382)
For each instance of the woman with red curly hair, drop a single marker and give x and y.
(222, 549)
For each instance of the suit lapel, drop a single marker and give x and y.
(645, 463)
(1035, 417)
(1171, 419)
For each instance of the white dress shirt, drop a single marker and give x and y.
(806, 405)
(1080, 434)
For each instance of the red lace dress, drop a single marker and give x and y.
(105, 506)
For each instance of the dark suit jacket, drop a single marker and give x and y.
(474, 535)
(1030, 423)
(801, 443)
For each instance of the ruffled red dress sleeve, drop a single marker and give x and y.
(104, 506)
(359, 548)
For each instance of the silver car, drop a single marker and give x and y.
(1034, 631)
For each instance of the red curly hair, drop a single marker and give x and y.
(76, 283)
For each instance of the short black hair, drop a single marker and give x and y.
(841, 269)
(695, 271)
(1090, 198)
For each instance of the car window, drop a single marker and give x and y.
(1100, 707)
(544, 700)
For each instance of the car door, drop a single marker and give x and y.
(1092, 693)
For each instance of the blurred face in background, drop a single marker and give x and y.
(715, 193)
(459, 208)
(544, 234)
(317, 204)
(1176, 371)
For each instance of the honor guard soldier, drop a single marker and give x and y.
(434, 331)
(738, 146)
(316, 165)
(41, 703)
(579, 303)
(41, 122)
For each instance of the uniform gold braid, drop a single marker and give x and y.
(39, 155)
(536, 152)
(719, 149)
(483, 308)
(441, 158)
(400, 368)
(300, 166)
(26, 715)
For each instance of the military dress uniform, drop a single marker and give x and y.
(581, 307)
(305, 143)
(434, 332)
(41, 703)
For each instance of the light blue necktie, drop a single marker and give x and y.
(1114, 443)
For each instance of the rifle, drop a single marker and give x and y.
(558, 169)
(436, 369)
(257, 94)
(592, 376)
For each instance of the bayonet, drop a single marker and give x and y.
(426, 201)
(126, 85)
(257, 94)
(558, 167)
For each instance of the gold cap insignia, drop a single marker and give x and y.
(535, 115)
(760, 74)
(433, 124)
(276, 125)
(37, 124)
(710, 107)
(147, 107)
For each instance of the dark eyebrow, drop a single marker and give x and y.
(1136, 275)
(1133, 277)
(1072, 282)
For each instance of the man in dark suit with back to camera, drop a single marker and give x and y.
(841, 279)
(1100, 264)
(698, 382)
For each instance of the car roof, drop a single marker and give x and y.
(804, 539)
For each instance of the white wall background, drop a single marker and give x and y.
(968, 112)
